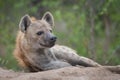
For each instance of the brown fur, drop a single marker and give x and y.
(19, 53)
(35, 50)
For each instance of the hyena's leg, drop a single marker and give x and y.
(65, 53)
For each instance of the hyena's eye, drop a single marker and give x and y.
(51, 31)
(40, 32)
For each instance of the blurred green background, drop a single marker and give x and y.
(91, 27)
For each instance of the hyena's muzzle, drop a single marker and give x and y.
(49, 39)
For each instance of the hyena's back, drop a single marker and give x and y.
(19, 51)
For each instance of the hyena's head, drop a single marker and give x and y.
(38, 33)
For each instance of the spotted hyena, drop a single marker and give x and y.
(36, 49)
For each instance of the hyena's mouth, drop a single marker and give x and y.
(47, 45)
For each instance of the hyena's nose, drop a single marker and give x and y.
(53, 39)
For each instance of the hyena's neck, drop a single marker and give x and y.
(47, 53)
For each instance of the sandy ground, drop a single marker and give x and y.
(67, 73)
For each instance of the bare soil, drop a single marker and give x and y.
(67, 73)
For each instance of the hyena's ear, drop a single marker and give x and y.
(49, 18)
(25, 23)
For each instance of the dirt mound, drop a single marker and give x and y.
(68, 73)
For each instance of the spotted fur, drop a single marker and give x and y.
(36, 50)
